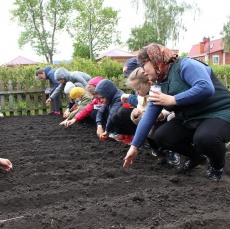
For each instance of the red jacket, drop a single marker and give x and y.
(85, 112)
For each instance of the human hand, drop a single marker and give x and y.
(63, 123)
(159, 98)
(136, 112)
(48, 100)
(161, 117)
(99, 131)
(1, 115)
(124, 97)
(130, 156)
(66, 114)
(48, 90)
(5, 164)
(104, 135)
(70, 122)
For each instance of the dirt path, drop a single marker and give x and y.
(67, 178)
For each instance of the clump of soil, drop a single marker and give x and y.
(68, 178)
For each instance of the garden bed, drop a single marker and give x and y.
(67, 178)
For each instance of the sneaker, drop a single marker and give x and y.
(213, 174)
(191, 164)
(128, 139)
(174, 158)
(54, 113)
(120, 137)
(157, 152)
(113, 135)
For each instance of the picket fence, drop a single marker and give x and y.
(16, 99)
(26, 100)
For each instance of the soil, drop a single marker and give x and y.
(68, 178)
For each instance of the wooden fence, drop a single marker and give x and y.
(22, 98)
(28, 100)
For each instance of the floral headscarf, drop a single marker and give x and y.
(160, 57)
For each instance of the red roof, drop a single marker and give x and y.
(21, 60)
(215, 45)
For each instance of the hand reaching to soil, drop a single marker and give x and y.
(130, 157)
(1, 115)
(63, 123)
(100, 130)
(5, 164)
(70, 122)
(104, 135)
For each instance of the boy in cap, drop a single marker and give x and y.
(81, 97)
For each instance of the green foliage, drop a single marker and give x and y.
(226, 35)
(165, 18)
(221, 70)
(95, 25)
(183, 54)
(41, 20)
(81, 50)
(141, 36)
(106, 68)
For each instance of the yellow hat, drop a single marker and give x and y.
(76, 92)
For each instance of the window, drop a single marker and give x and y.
(215, 59)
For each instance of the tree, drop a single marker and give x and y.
(41, 20)
(141, 36)
(95, 25)
(81, 50)
(226, 35)
(165, 18)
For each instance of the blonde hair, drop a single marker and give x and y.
(136, 78)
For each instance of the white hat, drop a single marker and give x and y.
(68, 87)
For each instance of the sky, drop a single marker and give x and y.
(209, 24)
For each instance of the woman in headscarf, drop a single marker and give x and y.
(201, 103)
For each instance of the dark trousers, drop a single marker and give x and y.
(208, 139)
(122, 121)
(57, 102)
(91, 119)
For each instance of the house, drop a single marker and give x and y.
(116, 54)
(210, 51)
(20, 61)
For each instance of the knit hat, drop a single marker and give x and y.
(76, 92)
(69, 85)
(95, 81)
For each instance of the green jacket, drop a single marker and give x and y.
(86, 99)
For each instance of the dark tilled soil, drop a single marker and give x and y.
(67, 178)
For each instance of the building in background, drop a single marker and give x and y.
(210, 51)
(20, 61)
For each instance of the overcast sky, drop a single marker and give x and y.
(213, 16)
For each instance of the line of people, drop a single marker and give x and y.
(179, 108)
(176, 116)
